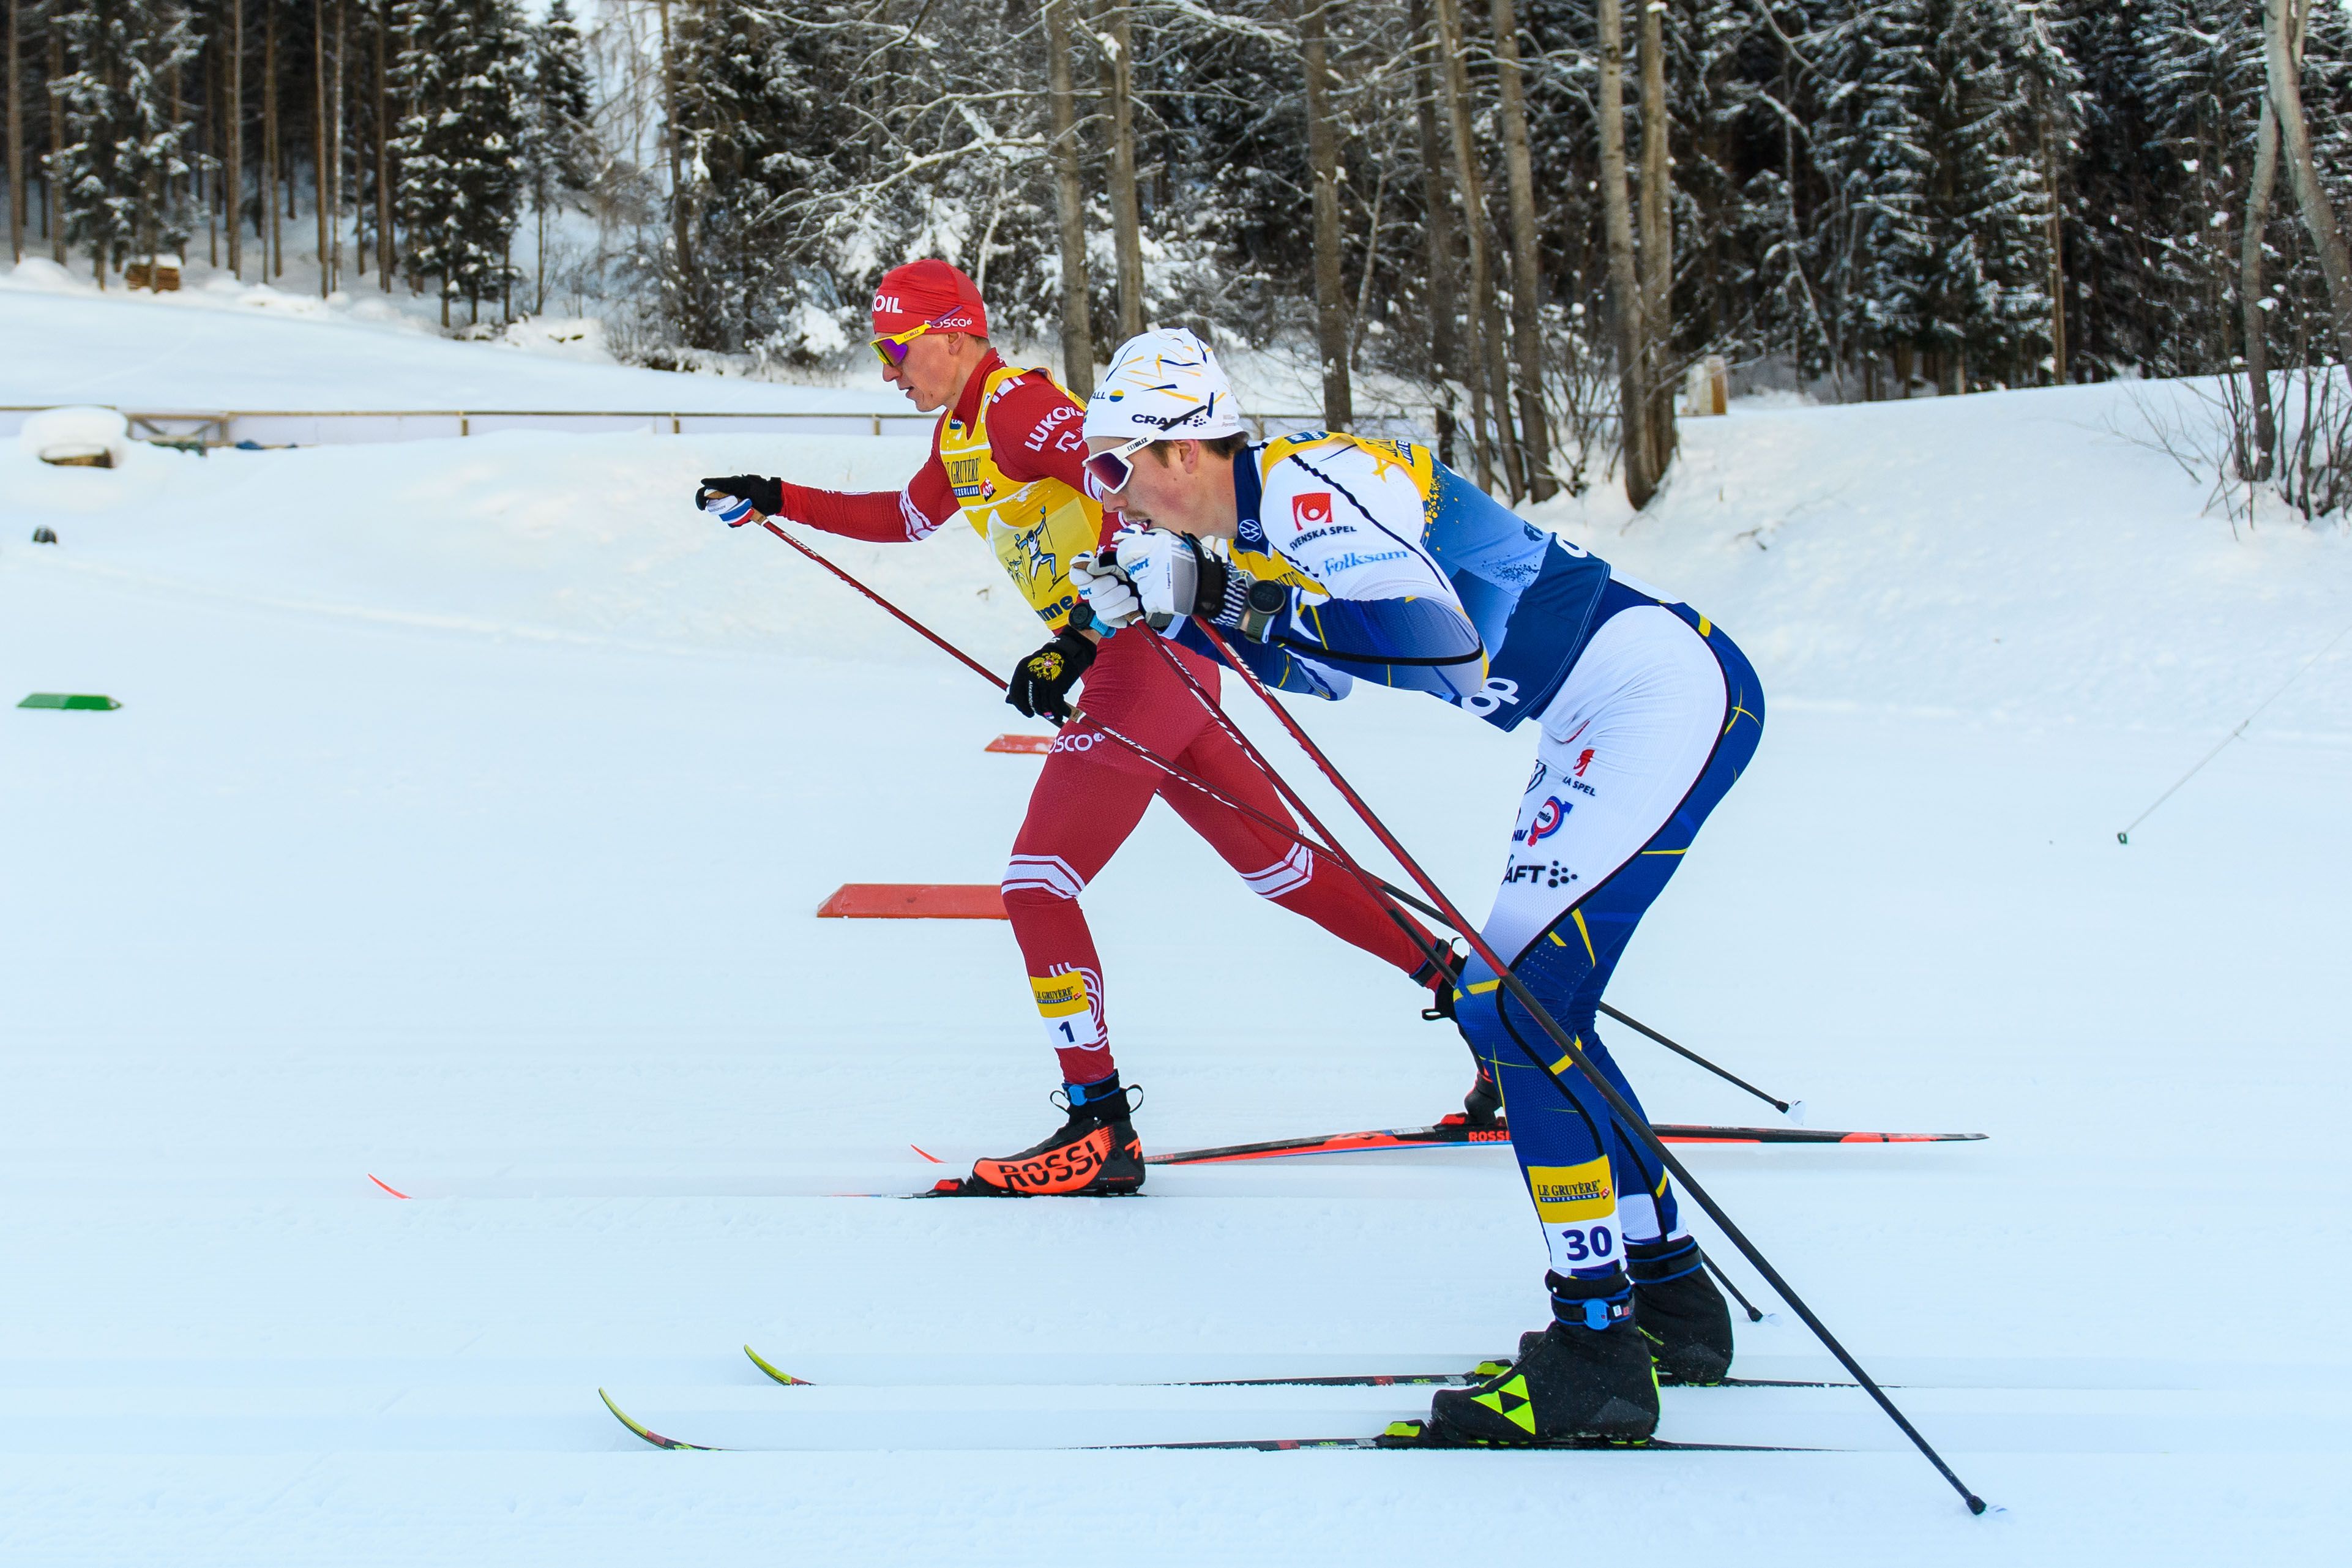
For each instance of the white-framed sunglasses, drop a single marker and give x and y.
(1110, 471)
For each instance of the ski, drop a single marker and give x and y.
(1455, 1131)
(1479, 1373)
(1397, 1435)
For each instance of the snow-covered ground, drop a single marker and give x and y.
(463, 825)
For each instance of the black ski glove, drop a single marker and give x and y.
(766, 496)
(1039, 687)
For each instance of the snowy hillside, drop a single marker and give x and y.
(463, 824)
(256, 347)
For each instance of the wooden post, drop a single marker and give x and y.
(318, 192)
(1323, 159)
(1069, 209)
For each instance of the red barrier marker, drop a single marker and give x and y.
(913, 901)
(1021, 746)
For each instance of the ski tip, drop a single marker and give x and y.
(787, 1379)
(387, 1186)
(647, 1433)
(927, 1154)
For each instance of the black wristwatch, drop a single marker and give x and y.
(1267, 600)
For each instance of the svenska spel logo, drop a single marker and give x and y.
(1312, 510)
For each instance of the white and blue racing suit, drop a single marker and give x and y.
(1648, 712)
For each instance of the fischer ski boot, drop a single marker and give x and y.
(1586, 1380)
(1679, 1310)
(1094, 1154)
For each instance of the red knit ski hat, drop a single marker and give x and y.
(930, 292)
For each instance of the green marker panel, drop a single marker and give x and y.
(67, 699)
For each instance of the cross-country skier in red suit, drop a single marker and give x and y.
(1008, 453)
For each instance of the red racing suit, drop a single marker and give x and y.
(1009, 455)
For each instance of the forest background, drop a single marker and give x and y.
(1520, 221)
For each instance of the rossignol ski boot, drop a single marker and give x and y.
(1586, 1379)
(1094, 1154)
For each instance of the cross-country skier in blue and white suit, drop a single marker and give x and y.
(1645, 713)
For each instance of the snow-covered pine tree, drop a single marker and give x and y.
(127, 142)
(462, 70)
(1950, 249)
(559, 140)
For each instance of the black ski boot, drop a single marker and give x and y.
(1482, 1108)
(1679, 1311)
(1094, 1154)
(1583, 1382)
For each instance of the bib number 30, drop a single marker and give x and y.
(1584, 1244)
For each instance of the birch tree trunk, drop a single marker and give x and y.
(335, 156)
(56, 202)
(383, 147)
(2283, 55)
(318, 192)
(1527, 277)
(1625, 286)
(1323, 158)
(1658, 254)
(274, 255)
(232, 172)
(1069, 208)
(16, 140)
(1126, 219)
(681, 218)
(2057, 227)
(1437, 203)
(1489, 379)
(2252, 296)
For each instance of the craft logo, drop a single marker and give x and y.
(1548, 816)
(1583, 761)
(1536, 779)
(1310, 511)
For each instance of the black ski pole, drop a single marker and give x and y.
(1639, 1027)
(1630, 1119)
(1725, 1280)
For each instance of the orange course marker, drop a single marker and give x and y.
(913, 901)
(1021, 746)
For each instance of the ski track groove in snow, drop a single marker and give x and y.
(464, 822)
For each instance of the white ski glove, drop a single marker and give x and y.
(1106, 589)
(1163, 569)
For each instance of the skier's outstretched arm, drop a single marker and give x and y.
(881, 517)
